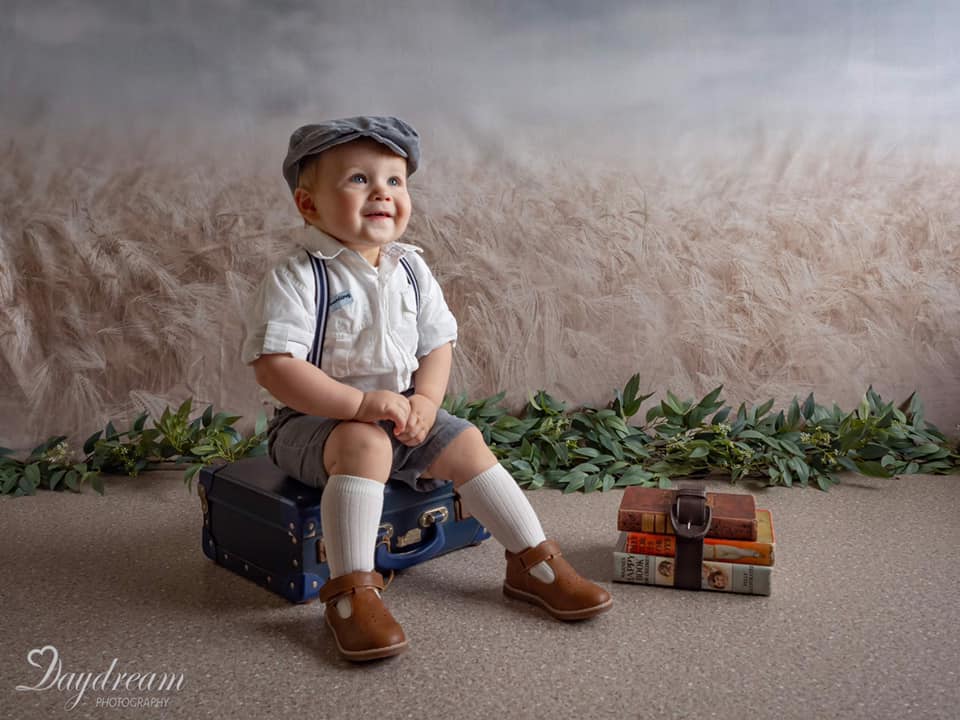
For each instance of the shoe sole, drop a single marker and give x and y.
(581, 614)
(371, 654)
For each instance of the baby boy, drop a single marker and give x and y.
(359, 383)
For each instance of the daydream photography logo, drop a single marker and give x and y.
(115, 688)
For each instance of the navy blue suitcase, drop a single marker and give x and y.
(264, 525)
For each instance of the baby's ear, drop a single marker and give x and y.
(303, 201)
(305, 205)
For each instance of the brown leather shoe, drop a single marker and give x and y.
(371, 631)
(568, 597)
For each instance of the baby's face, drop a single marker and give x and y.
(359, 194)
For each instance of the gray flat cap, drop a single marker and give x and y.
(308, 140)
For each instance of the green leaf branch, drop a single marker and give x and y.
(174, 440)
(592, 449)
(584, 449)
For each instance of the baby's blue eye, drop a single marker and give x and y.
(394, 181)
(359, 177)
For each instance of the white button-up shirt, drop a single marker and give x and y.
(373, 337)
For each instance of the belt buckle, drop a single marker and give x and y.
(684, 528)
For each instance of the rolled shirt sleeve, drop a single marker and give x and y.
(436, 325)
(280, 317)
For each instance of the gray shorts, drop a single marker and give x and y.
(296, 441)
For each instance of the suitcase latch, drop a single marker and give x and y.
(434, 516)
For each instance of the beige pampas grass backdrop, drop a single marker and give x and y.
(776, 258)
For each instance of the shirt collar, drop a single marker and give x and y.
(398, 249)
(327, 247)
(319, 243)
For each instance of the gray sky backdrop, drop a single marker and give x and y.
(637, 73)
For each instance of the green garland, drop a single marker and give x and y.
(585, 449)
(173, 440)
(590, 449)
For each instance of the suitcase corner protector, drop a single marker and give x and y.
(302, 588)
(209, 544)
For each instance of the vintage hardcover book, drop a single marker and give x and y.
(742, 552)
(717, 576)
(648, 510)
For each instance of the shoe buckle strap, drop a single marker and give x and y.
(532, 557)
(348, 583)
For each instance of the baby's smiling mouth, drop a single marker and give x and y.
(378, 215)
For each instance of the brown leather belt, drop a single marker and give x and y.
(690, 516)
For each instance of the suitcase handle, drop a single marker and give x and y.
(386, 560)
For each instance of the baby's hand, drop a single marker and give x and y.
(384, 405)
(423, 414)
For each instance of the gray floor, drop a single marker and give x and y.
(862, 622)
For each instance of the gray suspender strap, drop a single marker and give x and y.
(690, 516)
(413, 281)
(321, 295)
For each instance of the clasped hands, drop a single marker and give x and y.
(412, 417)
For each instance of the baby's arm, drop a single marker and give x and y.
(430, 382)
(307, 389)
(431, 378)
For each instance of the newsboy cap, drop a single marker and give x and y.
(309, 140)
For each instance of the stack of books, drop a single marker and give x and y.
(737, 549)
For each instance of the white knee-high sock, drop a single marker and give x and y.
(495, 499)
(350, 510)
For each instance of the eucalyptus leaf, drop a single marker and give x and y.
(873, 469)
(809, 405)
(55, 478)
(586, 468)
(765, 408)
(793, 417)
(575, 482)
(8, 483)
(31, 474)
(191, 472)
(674, 404)
(721, 416)
(89, 444)
(634, 475)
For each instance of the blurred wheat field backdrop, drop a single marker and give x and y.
(799, 264)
